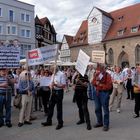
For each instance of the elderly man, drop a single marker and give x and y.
(57, 84)
(103, 83)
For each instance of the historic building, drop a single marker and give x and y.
(17, 23)
(44, 32)
(116, 32)
(64, 49)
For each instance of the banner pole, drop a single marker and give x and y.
(54, 71)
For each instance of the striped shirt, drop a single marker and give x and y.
(3, 80)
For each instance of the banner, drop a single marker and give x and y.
(9, 57)
(82, 62)
(98, 56)
(41, 55)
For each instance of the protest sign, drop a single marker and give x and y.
(82, 62)
(41, 55)
(98, 56)
(9, 57)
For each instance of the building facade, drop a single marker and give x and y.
(44, 32)
(117, 33)
(17, 22)
(65, 48)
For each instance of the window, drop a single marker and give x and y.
(27, 18)
(137, 53)
(23, 32)
(121, 32)
(0, 12)
(11, 15)
(14, 30)
(8, 30)
(22, 17)
(28, 33)
(24, 49)
(50, 36)
(1, 29)
(134, 29)
(120, 18)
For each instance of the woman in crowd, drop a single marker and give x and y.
(45, 81)
(118, 79)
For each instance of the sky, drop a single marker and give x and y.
(67, 15)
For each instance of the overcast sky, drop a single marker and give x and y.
(67, 15)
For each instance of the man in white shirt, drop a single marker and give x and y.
(57, 84)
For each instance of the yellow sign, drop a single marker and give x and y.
(98, 56)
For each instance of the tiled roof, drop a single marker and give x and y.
(123, 20)
(81, 37)
(44, 21)
(69, 39)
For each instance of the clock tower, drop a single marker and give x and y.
(98, 25)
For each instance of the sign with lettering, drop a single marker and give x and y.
(98, 56)
(41, 55)
(82, 62)
(9, 57)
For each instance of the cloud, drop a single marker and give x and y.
(67, 15)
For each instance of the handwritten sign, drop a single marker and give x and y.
(82, 62)
(98, 56)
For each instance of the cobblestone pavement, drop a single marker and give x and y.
(122, 125)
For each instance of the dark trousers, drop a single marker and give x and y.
(82, 104)
(130, 93)
(137, 104)
(37, 100)
(45, 99)
(56, 99)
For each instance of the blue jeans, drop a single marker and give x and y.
(102, 102)
(5, 101)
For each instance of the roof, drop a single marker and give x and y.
(124, 19)
(81, 37)
(69, 39)
(44, 21)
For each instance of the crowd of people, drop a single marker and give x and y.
(42, 89)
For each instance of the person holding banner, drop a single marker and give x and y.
(103, 83)
(81, 99)
(58, 84)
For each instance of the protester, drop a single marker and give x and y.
(5, 99)
(26, 89)
(81, 98)
(137, 92)
(58, 84)
(103, 83)
(118, 80)
(44, 83)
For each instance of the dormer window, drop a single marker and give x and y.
(121, 32)
(134, 29)
(120, 18)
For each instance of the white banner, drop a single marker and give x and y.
(82, 62)
(41, 55)
(9, 57)
(98, 56)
